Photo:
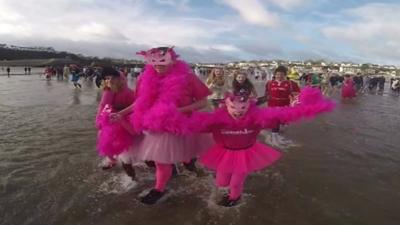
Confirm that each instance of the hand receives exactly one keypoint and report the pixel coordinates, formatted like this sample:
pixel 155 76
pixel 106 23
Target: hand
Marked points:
pixel 295 101
pixel 114 117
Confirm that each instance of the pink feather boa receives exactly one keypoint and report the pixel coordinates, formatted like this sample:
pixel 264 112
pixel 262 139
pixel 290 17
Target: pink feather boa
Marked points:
pixel 156 107
pixel 112 138
pixel 311 104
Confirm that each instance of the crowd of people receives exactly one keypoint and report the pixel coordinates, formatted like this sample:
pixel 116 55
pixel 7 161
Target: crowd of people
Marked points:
pixel 76 72
pixel 162 123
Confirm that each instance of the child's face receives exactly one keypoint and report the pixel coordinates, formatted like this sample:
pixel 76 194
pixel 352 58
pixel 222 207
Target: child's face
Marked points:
pixel 237 109
pixel 241 78
pixel 280 75
pixel 219 72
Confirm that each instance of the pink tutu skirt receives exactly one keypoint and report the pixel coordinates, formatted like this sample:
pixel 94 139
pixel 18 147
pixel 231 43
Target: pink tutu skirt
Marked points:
pixel 170 148
pixel 348 92
pixel 247 160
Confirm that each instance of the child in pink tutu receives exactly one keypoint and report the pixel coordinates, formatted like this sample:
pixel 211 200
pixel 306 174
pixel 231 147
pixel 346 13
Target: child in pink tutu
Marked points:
pixel 114 138
pixel 235 127
pixel 348 90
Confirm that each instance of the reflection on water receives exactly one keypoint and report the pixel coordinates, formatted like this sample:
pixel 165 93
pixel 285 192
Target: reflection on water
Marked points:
pixel 345 171
pixel 76 96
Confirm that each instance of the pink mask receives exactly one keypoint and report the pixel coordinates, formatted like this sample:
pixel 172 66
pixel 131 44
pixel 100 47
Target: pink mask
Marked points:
pixel 237 107
pixel 156 56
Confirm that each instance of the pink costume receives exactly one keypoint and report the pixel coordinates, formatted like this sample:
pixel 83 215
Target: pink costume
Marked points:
pixel 348 90
pixel 112 138
pixel 167 138
pixel 236 151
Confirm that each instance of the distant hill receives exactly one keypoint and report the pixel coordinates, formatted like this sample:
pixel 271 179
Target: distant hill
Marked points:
pixel 11 55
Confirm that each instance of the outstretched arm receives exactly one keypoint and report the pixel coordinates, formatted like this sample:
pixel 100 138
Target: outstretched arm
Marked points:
pixel 311 103
pixel 206 121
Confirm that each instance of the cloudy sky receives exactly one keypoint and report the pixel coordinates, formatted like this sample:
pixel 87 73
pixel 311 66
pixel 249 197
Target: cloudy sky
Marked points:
pixel 210 30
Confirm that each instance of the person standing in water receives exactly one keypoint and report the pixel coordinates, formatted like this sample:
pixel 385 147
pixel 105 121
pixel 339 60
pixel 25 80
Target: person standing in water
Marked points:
pixel 115 139
pixel 66 72
pixel 217 84
pixel 75 78
pixel 348 89
pixel 241 82
pixel 280 92
pixel 167 93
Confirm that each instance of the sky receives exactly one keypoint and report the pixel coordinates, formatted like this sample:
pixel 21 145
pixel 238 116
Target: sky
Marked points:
pixel 210 30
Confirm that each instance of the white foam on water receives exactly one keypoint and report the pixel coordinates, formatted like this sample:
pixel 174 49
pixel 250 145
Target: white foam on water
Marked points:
pixel 284 146
pixel 118 184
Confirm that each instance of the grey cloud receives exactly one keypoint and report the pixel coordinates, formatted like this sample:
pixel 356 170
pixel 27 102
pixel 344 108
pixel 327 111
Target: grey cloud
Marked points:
pixel 121 49
pixel 262 49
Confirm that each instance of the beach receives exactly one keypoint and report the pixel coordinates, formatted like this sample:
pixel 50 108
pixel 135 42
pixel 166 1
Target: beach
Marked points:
pixel 345 169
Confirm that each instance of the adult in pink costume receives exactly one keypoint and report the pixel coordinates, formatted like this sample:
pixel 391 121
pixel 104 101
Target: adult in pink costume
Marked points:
pixel 237 152
pixel 115 137
pixel 348 89
pixel 167 93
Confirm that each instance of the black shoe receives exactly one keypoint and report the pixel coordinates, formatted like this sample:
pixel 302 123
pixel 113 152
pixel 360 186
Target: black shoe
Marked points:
pixel 191 166
pixel 152 197
pixel 226 202
pixel 150 164
pixel 129 170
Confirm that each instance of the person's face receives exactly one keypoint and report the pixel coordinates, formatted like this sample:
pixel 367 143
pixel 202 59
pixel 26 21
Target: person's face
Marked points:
pixel 237 109
pixel 280 75
pixel 241 78
pixel 110 81
pixel 219 72
pixel 161 69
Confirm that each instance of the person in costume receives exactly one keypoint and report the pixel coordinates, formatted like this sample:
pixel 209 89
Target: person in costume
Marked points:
pixel 280 92
pixel 167 92
pixel 235 127
pixel 348 89
pixel 115 137
pixel 217 84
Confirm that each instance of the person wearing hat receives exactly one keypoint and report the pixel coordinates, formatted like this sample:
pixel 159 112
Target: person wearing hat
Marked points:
pixel 115 138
